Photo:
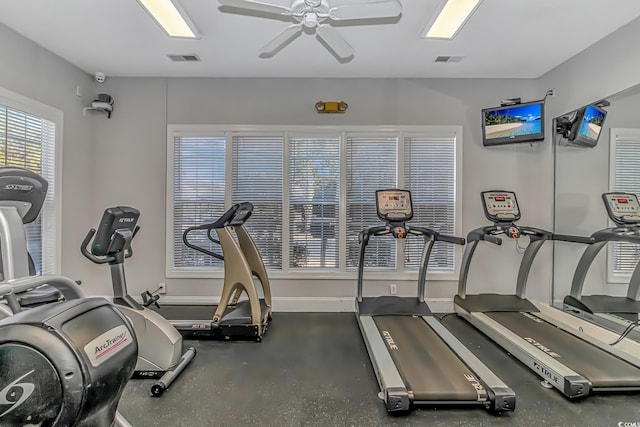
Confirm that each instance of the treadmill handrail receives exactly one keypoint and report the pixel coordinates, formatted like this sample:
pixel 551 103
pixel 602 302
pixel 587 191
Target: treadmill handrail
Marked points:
pixel 430 236
pixel 574 239
pixel 618 234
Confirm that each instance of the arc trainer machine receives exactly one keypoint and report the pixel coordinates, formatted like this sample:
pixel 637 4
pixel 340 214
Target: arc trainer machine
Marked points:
pixel 232 318
pixel 575 364
pixel 415 358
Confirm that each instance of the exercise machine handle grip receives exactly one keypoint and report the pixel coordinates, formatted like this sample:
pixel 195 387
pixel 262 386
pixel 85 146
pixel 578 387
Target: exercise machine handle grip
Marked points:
pixel 451 239
pixel 87 253
pixel 492 239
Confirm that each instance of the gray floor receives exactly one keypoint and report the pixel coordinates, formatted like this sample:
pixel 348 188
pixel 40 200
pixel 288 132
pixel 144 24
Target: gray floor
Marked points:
pixel 313 370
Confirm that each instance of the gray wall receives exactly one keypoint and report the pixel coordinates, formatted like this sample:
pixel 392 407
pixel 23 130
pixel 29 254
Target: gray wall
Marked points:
pixel 32 71
pixel 142 112
pixel 122 160
pixel 582 175
pixel 609 69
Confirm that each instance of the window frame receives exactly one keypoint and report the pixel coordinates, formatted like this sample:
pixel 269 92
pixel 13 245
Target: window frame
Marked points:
pixel 23 103
pixel 175 130
pixel 614 134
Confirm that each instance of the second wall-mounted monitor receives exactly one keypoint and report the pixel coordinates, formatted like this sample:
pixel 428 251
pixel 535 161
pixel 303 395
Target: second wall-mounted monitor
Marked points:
pixel 587 126
pixel 512 124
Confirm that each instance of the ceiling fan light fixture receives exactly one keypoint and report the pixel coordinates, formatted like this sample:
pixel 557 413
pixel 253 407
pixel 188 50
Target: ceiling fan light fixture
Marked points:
pixel 450 16
pixel 170 16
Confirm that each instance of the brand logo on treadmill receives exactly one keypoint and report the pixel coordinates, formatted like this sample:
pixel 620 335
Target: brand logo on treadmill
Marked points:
pixel 390 342
pixel 127 219
pixel 482 392
pixel 18 187
pixel 531 316
pixel 10 395
pixel 537 345
pixel 545 372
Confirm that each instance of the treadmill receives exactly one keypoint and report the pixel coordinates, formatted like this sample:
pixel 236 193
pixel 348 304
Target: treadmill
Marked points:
pixel 417 360
pixel 232 319
pixel 573 362
pixel 615 313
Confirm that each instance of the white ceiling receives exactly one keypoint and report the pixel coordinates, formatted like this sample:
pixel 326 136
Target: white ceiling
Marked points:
pixel 503 39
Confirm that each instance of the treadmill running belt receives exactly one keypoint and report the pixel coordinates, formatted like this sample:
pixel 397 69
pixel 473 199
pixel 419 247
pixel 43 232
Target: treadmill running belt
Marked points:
pixel 604 370
pixel 429 368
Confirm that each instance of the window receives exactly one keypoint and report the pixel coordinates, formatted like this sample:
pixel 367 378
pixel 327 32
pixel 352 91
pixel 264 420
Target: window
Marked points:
pixel 625 177
pixel 314 194
pixel 313 191
pixel 199 182
pixel 28 134
pixel 372 164
pixel 257 178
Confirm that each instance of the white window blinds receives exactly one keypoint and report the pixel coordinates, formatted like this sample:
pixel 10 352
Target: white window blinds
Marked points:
pixel 257 178
pixel 626 178
pixel 28 141
pixel 372 164
pixel 313 191
pixel 430 174
pixel 198 195
pixel 314 195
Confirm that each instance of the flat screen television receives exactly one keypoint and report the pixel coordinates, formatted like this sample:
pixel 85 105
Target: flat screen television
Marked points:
pixel 512 124
pixel 587 126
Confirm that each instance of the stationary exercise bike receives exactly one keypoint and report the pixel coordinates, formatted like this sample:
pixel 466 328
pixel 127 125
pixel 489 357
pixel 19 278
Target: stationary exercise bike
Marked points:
pixel 160 344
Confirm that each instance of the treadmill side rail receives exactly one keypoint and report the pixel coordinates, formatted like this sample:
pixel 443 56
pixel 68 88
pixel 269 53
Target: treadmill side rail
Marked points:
pixel 501 397
pixel 394 390
pixel 569 382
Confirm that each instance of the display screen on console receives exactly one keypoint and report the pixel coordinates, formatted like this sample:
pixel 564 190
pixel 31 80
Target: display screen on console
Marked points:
pixel 394 205
pixel 500 206
pixel 623 208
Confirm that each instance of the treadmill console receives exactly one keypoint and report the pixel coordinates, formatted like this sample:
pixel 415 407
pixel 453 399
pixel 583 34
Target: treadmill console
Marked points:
pixel 394 205
pixel 623 208
pixel 500 206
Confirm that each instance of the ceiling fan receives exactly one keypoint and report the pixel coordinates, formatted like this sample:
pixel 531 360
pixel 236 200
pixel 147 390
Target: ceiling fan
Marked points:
pixel 312 14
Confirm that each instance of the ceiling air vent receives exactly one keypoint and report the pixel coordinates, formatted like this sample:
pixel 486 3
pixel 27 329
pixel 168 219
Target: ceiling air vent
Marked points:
pixel 449 58
pixel 184 58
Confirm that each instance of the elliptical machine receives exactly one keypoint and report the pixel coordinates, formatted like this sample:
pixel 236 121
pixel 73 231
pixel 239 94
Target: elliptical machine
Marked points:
pixel 61 364
pixel 64 364
pixel 160 344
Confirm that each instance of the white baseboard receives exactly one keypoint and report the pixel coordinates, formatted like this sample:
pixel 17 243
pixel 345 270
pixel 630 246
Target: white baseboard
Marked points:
pixel 308 305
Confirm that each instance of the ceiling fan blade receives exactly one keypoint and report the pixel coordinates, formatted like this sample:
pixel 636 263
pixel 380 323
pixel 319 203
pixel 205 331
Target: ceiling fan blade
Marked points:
pixel 257 6
pixel 376 9
pixel 334 41
pixel 281 40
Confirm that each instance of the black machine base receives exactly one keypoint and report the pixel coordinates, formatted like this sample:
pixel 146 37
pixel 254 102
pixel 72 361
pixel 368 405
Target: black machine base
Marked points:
pixel 224 332
pixel 483 303
pixel 604 304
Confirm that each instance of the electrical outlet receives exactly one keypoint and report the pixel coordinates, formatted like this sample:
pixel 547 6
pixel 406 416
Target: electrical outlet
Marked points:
pixel 162 288
pixel 393 289
pixel 551 92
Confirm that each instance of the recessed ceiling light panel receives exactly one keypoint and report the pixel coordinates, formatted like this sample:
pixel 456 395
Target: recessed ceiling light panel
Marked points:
pixel 450 16
pixel 171 17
